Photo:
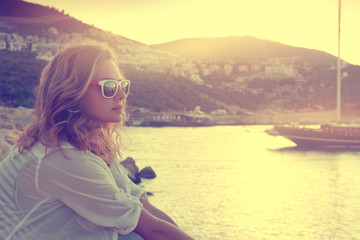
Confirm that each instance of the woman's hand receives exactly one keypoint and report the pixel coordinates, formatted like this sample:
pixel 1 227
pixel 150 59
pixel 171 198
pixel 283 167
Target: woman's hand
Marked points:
pixel 153 228
pixel 155 211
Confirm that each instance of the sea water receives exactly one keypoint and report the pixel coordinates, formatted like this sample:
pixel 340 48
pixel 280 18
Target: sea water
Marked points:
pixel 237 182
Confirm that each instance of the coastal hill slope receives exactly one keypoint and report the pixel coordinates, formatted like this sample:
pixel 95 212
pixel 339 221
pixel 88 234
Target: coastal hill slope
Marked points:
pixel 19 8
pixel 245 47
pixel 236 75
pixel 26 18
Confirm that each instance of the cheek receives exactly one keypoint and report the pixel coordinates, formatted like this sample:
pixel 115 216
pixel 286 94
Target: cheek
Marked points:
pixel 93 102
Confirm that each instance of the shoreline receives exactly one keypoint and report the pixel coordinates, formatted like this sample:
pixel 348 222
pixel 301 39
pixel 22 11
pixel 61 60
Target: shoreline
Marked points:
pixel 257 118
pixel 13 121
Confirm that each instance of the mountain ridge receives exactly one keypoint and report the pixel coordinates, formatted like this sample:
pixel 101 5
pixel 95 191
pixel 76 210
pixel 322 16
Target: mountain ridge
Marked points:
pixel 241 47
pixel 163 81
pixel 230 47
pixel 19 8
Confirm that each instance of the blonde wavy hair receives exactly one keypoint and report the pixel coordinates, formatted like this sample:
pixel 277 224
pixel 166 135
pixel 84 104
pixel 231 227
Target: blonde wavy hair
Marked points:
pixel 63 83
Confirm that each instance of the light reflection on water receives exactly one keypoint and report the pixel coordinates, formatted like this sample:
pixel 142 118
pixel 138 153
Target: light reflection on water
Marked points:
pixel 237 182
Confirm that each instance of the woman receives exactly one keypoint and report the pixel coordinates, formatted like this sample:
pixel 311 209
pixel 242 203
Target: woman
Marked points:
pixel 63 179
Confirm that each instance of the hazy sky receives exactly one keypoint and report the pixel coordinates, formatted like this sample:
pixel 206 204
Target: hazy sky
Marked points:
pixel 301 23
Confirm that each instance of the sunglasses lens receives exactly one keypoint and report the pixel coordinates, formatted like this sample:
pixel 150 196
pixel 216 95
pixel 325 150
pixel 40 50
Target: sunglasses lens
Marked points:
pixel 125 87
pixel 110 88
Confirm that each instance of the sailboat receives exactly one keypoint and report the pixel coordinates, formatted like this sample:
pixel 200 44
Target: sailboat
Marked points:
pixel 326 135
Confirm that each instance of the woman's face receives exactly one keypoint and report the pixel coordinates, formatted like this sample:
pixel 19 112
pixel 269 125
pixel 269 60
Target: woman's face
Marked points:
pixel 104 110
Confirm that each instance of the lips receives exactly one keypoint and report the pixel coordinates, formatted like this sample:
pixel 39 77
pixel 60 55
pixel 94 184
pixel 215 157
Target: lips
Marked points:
pixel 119 108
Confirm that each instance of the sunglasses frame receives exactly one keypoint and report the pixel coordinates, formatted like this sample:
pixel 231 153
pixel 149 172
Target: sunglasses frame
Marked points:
pixel 118 84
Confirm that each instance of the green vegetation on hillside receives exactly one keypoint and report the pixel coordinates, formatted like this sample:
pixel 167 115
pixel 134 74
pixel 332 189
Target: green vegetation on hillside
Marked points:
pixel 33 19
pixel 248 74
pixel 20 73
pixel 19 8
pixel 165 92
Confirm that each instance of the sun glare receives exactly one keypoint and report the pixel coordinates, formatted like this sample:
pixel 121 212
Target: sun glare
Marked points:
pixel 300 23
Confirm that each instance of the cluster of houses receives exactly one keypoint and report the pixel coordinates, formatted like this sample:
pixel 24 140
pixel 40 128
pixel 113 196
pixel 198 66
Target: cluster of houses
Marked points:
pixel 45 48
pixel 143 57
pixel 242 72
pixel 239 73
pixel 144 117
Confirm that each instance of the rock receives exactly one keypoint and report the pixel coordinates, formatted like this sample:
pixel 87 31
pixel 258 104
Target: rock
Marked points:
pixel 147 172
pixel 13 120
pixel 149 194
pixel 132 169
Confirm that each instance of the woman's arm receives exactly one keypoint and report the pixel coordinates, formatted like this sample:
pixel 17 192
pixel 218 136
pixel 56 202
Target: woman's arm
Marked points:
pixel 153 228
pixel 155 211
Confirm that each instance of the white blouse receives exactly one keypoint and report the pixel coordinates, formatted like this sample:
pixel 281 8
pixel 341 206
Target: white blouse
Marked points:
pixel 65 194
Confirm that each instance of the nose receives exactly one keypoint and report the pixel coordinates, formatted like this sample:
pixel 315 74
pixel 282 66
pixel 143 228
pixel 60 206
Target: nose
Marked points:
pixel 120 94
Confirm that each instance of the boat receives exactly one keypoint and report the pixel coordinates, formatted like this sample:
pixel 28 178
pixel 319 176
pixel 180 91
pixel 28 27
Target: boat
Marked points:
pixel 328 135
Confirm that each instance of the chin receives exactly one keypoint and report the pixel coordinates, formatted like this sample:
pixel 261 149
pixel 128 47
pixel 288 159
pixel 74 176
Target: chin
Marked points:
pixel 108 120
pixel 117 120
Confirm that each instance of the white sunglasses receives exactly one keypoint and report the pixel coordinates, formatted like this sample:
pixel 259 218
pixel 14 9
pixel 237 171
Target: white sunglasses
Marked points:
pixel 109 87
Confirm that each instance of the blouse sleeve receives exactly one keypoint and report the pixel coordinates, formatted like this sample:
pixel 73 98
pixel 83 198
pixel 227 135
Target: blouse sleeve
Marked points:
pixel 123 181
pixel 83 182
pixel 136 190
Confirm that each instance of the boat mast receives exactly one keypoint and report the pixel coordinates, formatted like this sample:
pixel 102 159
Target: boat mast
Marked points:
pixel 338 102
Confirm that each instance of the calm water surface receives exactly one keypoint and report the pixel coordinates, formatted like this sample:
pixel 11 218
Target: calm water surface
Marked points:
pixel 237 182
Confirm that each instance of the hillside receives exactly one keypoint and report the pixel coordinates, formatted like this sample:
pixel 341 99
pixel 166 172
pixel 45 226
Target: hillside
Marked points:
pixel 19 8
pixel 235 75
pixel 19 70
pixel 241 48
pixel 25 18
